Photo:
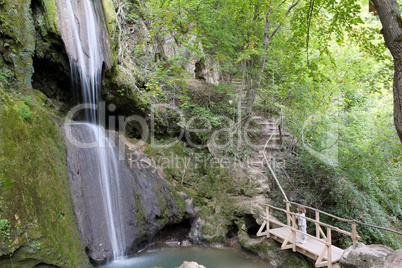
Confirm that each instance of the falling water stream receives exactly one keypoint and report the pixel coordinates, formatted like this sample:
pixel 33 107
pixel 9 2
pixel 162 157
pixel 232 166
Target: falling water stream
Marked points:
pixel 86 60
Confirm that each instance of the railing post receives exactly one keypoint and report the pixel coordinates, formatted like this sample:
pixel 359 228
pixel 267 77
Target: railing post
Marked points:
pixel 329 243
pixel 294 233
pixel 287 213
pixel 354 234
pixel 317 225
pixel 268 234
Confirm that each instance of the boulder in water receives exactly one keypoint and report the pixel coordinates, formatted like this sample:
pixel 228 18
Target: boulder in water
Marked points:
pixel 192 264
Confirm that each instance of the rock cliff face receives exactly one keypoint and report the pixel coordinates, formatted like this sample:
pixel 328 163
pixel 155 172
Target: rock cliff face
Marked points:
pixel 148 201
pixel 17 43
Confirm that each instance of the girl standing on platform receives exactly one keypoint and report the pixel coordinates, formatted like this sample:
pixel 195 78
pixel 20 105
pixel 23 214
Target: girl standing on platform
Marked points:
pixel 301 211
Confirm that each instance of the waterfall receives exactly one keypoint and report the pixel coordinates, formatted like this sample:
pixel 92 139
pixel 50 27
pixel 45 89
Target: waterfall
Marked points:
pixel 110 188
pixel 81 33
pixel 86 57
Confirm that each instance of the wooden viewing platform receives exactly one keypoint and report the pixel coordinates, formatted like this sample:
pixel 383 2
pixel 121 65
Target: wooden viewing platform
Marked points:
pixel 311 248
pixel 318 247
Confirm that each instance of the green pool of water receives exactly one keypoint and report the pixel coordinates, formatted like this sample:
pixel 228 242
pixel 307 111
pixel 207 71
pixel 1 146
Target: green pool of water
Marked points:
pixel 174 257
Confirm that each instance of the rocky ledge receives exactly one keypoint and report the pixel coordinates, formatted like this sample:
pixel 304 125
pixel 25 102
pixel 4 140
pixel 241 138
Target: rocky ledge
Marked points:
pixel 371 256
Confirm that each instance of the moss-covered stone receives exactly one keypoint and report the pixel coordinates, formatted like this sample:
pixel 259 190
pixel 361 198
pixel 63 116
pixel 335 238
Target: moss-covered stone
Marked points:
pixel 268 249
pixel 110 14
pixel 34 195
pixel 51 15
pixel 17 44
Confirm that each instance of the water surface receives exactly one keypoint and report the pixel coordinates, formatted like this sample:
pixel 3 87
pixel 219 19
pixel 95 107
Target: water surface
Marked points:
pixel 174 257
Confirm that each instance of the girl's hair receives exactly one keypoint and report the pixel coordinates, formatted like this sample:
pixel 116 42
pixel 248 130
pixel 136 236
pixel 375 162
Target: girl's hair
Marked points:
pixel 301 208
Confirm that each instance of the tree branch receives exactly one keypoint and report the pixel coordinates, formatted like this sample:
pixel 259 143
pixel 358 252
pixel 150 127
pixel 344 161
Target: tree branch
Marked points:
pixel 309 16
pixel 281 23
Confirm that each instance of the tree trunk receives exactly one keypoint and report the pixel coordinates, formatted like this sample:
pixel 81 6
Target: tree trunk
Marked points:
pixel 267 37
pixel 253 91
pixel 239 105
pixel 391 21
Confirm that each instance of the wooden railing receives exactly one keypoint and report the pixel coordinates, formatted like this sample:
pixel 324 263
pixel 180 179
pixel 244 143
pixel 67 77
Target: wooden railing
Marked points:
pixel 354 223
pixel 319 231
pixel 325 238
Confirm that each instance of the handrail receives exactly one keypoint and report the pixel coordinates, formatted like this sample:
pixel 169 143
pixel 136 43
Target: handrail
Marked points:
pixel 273 175
pixel 345 220
pixel 280 126
pixel 269 165
pixel 315 221
pixel 322 212
pixel 266 144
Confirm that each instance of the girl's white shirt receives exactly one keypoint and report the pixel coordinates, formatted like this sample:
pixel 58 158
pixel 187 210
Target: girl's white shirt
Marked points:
pixel 301 221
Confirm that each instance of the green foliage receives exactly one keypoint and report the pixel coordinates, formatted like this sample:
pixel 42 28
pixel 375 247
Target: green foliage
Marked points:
pixel 28 101
pixel 6 76
pixel 35 245
pixel 348 156
pixel 206 115
pixel 4 228
pixel 186 151
pixel 25 112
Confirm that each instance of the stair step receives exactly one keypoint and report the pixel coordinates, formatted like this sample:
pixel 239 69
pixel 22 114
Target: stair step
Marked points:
pixel 267 134
pixel 256 117
pixel 270 129
pixel 270 126
pixel 275 137
pixel 270 147
pixel 273 148
pixel 256 162
pixel 236 81
pixel 274 131
pixel 258 170
pixel 268 123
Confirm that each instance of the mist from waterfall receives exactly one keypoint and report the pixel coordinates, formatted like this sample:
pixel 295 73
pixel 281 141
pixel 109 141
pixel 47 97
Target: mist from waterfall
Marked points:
pixel 83 42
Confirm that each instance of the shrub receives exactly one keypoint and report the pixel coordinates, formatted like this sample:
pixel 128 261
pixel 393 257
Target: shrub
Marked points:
pixel 25 112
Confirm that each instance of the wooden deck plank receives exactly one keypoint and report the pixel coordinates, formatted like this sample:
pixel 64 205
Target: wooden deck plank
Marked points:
pixel 312 246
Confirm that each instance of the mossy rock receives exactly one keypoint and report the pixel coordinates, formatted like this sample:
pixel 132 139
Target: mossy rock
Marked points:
pixel 269 250
pixel 35 196
pixel 51 15
pixel 18 33
pixel 110 14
